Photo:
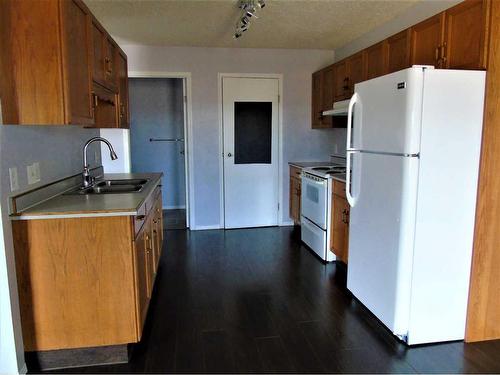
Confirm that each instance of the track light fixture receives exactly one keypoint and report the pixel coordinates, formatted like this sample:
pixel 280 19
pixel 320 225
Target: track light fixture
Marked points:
pixel 248 11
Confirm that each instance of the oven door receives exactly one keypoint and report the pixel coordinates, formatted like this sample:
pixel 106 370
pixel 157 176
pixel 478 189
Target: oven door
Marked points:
pixel 314 199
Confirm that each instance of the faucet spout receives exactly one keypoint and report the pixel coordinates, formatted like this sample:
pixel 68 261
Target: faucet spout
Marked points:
pixel 88 180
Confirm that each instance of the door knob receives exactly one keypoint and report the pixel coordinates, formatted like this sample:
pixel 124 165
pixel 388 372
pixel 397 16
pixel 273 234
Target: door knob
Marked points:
pixel 229 154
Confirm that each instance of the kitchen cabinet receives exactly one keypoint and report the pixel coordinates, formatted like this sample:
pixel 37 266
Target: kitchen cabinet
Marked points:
pixel 54 85
pixel 122 72
pixel 426 41
pixel 341 81
pixel 317 101
pixel 398 51
pixel 339 242
pixel 105 107
pixel 355 71
pixel 295 193
pixel 65 53
pixel 327 95
pixel 465 35
pixel 376 60
pixel 77 275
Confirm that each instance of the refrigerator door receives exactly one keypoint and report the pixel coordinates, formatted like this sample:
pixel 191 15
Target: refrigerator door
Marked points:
pixel 381 234
pixel 387 113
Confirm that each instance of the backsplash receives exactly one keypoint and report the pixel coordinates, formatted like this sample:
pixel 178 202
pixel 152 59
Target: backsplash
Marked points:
pixel 57 149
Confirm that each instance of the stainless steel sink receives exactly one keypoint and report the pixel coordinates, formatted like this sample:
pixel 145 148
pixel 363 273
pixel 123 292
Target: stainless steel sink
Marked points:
pixel 112 187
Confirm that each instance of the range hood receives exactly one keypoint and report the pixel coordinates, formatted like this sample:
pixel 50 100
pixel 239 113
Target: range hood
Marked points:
pixel 339 109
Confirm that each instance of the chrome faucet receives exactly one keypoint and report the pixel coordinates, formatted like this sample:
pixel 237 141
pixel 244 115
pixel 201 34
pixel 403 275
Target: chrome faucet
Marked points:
pixel 88 179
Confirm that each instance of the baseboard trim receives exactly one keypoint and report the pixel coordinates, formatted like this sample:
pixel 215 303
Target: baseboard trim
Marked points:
pixel 206 227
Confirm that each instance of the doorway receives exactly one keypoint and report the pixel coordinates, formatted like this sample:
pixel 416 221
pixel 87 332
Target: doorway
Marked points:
pixel 157 140
pixel 250 128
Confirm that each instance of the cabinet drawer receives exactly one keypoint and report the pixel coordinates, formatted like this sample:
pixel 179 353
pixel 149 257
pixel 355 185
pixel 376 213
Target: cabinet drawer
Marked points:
pixel 295 172
pixel 339 188
pixel 151 201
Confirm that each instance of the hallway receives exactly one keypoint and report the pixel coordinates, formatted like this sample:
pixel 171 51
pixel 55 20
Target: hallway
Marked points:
pixel 255 300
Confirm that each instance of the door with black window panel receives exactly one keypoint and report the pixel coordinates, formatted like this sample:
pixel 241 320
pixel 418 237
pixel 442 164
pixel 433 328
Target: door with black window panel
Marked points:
pixel 250 133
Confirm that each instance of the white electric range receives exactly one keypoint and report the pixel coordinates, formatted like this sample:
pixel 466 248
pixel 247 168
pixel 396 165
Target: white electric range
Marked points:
pixel 316 205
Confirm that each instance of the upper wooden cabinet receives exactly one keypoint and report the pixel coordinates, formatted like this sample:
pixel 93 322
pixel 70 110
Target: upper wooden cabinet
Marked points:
pixel 51 52
pixel 122 72
pixel 376 60
pixel 355 70
pixel 465 36
pixel 426 41
pixel 454 39
pixel 317 100
pixel 398 51
pixel 45 62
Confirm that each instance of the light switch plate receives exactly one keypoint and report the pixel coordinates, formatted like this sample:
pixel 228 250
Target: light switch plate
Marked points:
pixel 33 172
pixel 14 181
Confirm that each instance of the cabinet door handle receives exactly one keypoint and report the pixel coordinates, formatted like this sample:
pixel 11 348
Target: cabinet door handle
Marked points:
pixel 95 99
pixel 436 53
pixel 343 216
pixel 141 217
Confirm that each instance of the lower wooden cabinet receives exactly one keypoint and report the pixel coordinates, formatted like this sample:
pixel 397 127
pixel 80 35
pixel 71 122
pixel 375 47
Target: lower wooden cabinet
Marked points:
pixel 339 243
pixel 86 282
pixel 295 193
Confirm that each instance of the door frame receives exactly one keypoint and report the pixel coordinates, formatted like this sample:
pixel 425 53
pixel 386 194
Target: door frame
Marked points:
pixel 279 77
pixel 188 131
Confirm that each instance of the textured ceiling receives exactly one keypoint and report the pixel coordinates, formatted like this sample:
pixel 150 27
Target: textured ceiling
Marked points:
pixel 310 24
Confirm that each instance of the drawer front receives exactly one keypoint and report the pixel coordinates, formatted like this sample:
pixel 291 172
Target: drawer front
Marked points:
pixel 295 172
pixel 151 201
pixel 339 188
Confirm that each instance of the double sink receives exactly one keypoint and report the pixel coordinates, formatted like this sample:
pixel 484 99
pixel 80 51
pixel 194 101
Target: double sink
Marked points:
pixel 134 185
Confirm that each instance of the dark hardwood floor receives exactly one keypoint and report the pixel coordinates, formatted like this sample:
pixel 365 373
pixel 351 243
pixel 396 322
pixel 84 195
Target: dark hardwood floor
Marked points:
pixel 255 300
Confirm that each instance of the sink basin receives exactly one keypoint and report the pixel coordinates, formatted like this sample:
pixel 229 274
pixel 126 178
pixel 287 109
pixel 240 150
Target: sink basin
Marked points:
pixel 112 187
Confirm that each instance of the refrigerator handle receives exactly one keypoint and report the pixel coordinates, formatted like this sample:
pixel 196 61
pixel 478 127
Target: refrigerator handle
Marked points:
pixel 353 100
pixel 350 198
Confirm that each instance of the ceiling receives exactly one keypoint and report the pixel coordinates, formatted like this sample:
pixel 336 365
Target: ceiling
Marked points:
pixel 308 24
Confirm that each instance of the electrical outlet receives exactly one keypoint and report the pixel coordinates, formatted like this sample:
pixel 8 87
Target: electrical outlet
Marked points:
pixel 33 172
pixel 14 181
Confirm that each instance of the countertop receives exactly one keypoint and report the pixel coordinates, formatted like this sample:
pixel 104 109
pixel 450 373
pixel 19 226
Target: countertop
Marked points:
pixel 307 164
pixel 89 205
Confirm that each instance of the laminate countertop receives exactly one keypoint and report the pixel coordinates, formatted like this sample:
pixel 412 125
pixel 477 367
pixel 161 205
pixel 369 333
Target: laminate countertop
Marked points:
pixel 94 205
pixel 308 164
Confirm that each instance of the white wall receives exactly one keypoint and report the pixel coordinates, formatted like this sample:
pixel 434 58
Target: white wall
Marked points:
pixel 120 139
pixel 59 152
pixel 411 16
pixel 300 142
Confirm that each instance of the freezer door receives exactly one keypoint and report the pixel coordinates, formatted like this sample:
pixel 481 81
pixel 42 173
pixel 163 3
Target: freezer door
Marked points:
pixel 387 113
pixel 381 235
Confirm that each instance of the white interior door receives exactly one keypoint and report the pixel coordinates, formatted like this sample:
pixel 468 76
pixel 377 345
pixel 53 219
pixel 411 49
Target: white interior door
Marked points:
pixel 250 126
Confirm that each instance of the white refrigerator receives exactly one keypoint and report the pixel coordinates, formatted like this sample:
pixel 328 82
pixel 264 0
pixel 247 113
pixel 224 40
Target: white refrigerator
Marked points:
pixel 413 147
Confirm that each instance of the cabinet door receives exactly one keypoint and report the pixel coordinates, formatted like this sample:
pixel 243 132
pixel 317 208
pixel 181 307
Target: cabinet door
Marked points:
pixel 98 37
pixel 327 86
pixel 376 60
pixel 426 41
pixel 398 51
pixel 356 70
pixel 122 71
pixel 141 280
pixel 465 36
pixel 110 74
pixel 341 81
pixel 340 227
pixel 77 49
pixel 294 199
pixel 105 107
pixel 317 101
pixel 150 262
